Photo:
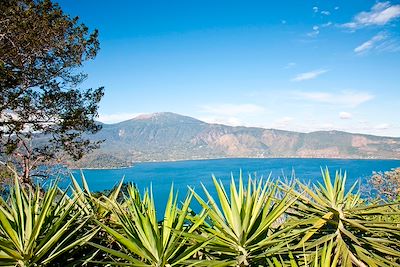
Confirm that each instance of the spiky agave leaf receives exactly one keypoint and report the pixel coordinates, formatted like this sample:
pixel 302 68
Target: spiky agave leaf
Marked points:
pixel 37 228
pixel 147 242
pixel 244 224
pixel 91 205
pixel 95 207
pixel 324 257
pixel 330 213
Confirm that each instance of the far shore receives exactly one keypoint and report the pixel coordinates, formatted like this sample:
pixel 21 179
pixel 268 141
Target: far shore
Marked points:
pixel 222 158
pixel 105 168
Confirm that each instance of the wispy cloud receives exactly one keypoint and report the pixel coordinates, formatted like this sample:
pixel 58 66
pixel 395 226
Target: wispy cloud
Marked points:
pixel 381 42
pixel 382 126
pixel 290 65
pixel 231 114
pixel 118 117
pixel 380 14
pixel 308 75
pixel 344 98
pixel 345 115
pixel 324 25
pixel 325 12
pixel 283 122
pixel 232 109
pixel 231 121
pixel 371 43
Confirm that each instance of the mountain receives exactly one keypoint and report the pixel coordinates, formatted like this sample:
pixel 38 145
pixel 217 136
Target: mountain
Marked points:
pixel 169 136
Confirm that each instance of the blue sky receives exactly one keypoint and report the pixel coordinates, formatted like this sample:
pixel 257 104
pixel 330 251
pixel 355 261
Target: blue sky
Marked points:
pixel 293 65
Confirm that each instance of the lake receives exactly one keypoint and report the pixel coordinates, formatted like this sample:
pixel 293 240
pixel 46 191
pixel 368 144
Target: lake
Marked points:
pixel 194 172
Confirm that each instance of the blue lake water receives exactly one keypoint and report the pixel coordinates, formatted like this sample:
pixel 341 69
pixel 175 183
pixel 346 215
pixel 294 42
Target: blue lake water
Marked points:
pixel 194 172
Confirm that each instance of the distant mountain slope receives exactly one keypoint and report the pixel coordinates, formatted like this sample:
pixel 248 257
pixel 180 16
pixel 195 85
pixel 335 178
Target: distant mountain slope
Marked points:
pixel 169 136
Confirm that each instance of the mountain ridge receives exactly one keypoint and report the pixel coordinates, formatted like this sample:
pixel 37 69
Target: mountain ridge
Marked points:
pixel 149 115
pixel 167 136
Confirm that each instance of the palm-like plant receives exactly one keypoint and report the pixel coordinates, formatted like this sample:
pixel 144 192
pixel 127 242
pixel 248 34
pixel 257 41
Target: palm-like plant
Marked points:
pixel 36 228
pixel 324 257
pixel 245 225
pixel 330 214
pixel 146 242
pixel 97 206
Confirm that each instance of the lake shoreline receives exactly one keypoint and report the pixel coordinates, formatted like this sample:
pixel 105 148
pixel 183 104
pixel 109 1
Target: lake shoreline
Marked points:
pixel 236 158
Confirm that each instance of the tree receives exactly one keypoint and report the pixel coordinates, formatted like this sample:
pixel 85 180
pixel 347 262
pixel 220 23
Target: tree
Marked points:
pixel 43 112
pixel 386 184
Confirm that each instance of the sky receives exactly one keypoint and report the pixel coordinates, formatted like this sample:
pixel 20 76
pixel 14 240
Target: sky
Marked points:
pixel 294 65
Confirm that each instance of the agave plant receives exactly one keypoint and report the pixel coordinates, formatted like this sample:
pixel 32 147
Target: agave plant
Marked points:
pixel 36 228
pixel 146 242
pixel 329 213
pixel 326 258
pixel 244 226
pixel 97 206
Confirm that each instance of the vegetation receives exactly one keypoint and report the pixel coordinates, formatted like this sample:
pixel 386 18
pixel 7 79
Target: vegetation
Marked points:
pixel 387 184
pixel 251 223
pixel 332 215
pixel 45 116
pixel 41 52
pixel 6 176
pixel 37 228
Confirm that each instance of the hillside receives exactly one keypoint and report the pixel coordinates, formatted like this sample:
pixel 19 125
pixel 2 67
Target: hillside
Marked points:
pixel 169 136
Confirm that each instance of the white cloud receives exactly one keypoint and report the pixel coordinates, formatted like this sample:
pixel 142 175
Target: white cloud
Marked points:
pixel 345 115
pixel 382 126
pixel 315 31
pixel 327 126
pixel 380 14
pixel 336 8
pixel 285 120
pixel 325 12
pixel 344 98
pixel 308 75
pixel 118 117
pixel 329 23
pixel 381 42
pixel 315 9
pixel 231 121
pixel 232 109
pixel 282 122
pixel 371 43
pixel 231 114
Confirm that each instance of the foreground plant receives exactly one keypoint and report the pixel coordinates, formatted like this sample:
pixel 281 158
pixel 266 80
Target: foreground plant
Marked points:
pixel 359 233
pixel 95 206
pixel 324 257
pixel 36 228
pixel 98 206
pixel 244 226
pixel 146 242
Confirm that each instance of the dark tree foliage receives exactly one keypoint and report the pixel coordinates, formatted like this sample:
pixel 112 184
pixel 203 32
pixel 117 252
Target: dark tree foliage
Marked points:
pixel 41 51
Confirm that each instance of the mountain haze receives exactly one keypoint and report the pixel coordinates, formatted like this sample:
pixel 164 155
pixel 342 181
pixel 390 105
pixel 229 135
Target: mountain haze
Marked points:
pixel 169 136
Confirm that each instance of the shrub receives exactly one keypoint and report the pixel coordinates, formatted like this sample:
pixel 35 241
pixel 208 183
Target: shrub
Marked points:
pixel 387 184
